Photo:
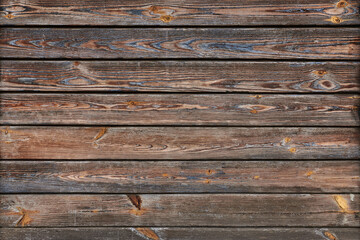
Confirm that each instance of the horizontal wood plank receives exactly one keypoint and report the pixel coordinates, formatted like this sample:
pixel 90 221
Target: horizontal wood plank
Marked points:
pixel 28 142
pixel 180 109
pixel 179 177
pixel 175 233
pixel 180 210
pixel 187 12
pixel 180 76
pixel 244 43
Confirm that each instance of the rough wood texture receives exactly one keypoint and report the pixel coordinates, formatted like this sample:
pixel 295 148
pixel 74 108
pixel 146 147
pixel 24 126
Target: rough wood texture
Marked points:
pixel 179 177
pixel 180 76
pixel 180 210
pixel 245 43
pixel 180 109
pixel 174 233
pixel 178 143
pixel 173 12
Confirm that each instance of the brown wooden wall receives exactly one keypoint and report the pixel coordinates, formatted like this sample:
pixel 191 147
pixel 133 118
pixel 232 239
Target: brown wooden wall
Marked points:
pixel 193 119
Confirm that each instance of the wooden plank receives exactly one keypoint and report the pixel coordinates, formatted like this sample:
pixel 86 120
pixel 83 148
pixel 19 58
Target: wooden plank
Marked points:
pixel 28 142
pixel 179 176
pixel 180 210
pixel 244 43
pixel 187 12
pixel 180 109
pixel 141 233
pixel 180 76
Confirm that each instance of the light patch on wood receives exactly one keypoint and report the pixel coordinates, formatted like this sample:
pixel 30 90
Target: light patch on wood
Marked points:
pixel 148 232
pixel 354 97
pixel 15 9
pixel 207 181
pixel 352 196
pixel 256 177
pixel 342 204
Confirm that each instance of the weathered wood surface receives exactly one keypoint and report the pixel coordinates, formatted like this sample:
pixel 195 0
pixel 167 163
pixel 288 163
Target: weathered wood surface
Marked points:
pixel 179 176
pixel 180 109
pixel 244 43
pixel 180 76
pixel 176 233
pixel 173 12
pixel 180 210
pixel 36 142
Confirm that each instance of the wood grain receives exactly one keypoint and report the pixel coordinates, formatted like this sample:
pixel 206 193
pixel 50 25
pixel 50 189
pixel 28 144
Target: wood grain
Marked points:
pixel 180 109
pixel 176 233
pixel 180 76
pixel 179 210
pixel 28 142
pixel 187 12
pixel 130 43
pixel 179 176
